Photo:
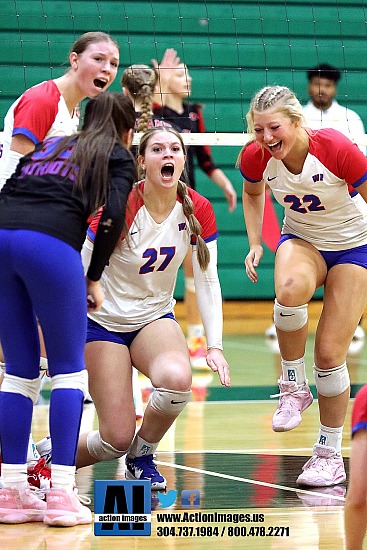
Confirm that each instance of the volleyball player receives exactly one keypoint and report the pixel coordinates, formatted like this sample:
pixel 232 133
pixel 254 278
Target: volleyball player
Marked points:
pixel 139 82
pixel 136 324
pixel 44 211
pixel 50 109
pixel 319 177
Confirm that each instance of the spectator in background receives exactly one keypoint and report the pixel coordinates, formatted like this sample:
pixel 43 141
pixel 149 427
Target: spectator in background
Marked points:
pixel 323 110
pixel 174 86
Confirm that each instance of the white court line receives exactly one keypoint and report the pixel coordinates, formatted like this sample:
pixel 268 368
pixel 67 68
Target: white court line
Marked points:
pixel 249 481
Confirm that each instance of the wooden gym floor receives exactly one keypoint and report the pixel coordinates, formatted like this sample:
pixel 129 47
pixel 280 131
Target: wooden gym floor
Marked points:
pixel 223 446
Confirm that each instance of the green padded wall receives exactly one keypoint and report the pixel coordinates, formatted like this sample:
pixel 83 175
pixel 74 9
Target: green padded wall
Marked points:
pixel 232 48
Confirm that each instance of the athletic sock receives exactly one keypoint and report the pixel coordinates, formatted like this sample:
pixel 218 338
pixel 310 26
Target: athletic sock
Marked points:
pixel 332 437
pixel 14 475
pixel 140 447
pixel 294 371
pixel 63 477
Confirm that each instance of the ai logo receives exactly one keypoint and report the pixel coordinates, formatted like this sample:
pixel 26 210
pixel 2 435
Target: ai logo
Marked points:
pixel 122 508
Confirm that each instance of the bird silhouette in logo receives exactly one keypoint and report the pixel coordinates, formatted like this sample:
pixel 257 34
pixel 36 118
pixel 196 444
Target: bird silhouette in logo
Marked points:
pixel 167 499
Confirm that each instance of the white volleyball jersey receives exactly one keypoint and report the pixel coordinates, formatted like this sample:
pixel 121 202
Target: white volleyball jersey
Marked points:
pixel 321 204
pixel 38 114
pixel 140 278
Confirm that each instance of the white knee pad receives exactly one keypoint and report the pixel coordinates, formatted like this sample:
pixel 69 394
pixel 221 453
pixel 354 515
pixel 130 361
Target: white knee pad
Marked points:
pixel 71 381
pixel 331 382
pixel 101 450
pixel 23 386
pixel 169 402
pixel 290 319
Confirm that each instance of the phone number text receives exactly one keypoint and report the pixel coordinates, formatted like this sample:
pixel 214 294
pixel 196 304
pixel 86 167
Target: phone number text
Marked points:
pixel 226 530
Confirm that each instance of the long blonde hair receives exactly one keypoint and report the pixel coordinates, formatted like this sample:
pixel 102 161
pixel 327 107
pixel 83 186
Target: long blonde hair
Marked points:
pixel 187 204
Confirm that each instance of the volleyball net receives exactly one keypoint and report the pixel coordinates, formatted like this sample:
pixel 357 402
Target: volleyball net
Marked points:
pixel 231 48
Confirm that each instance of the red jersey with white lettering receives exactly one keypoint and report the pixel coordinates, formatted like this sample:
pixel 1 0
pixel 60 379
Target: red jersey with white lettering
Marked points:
pixel 140 278
pixel 38 114
pixel 322 205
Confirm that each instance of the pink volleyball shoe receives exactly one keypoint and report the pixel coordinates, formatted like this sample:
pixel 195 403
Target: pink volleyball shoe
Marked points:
pixel 65 509
pixel 20 506
pixel 293 400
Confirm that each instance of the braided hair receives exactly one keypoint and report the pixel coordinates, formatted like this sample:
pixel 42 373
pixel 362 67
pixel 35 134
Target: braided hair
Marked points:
pixel 140 81
pixel 277 98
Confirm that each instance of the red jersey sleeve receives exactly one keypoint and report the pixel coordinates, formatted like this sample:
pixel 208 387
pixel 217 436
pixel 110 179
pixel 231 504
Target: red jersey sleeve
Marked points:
pixel 36 111
pixel 93 226
pixel 205 215
pixel 134 202
pixel 253 162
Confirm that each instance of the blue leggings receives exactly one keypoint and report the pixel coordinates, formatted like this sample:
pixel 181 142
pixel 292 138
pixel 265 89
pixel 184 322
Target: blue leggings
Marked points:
pixel 41 278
